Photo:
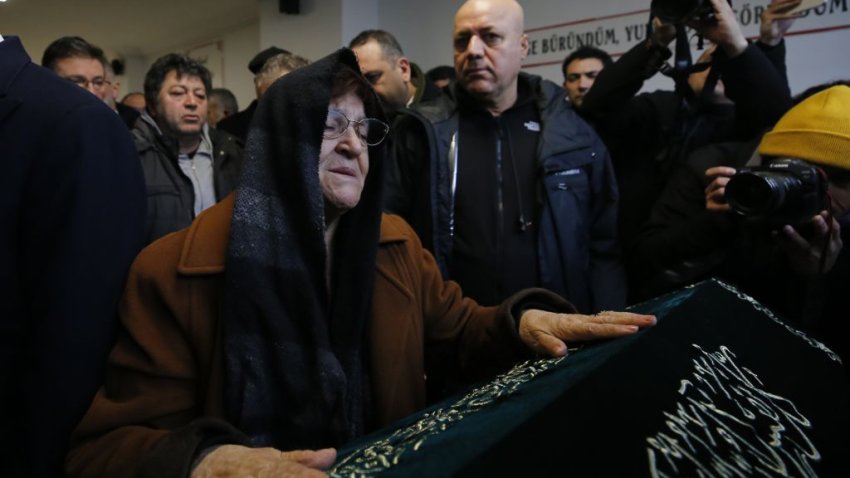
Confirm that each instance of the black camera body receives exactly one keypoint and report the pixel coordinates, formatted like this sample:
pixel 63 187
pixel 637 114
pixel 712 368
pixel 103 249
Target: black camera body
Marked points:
pixel 784 191
pixel 681 11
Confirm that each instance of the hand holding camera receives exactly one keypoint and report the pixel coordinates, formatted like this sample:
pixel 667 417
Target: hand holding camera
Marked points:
pixel 715 193
pixel 722 29
pixel 815 253
pixel 788 196
pixel 776 19
pixel 713 19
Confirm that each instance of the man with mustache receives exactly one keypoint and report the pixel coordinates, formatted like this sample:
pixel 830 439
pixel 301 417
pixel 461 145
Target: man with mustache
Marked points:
pixel 188 166
pixel 502 180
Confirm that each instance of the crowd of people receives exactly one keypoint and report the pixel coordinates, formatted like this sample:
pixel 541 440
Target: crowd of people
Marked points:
pixel 194 290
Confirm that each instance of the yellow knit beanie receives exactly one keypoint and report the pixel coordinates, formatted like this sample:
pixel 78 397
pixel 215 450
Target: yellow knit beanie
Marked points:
pixel 817 130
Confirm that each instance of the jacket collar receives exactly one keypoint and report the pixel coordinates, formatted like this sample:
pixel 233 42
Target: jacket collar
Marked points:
pixel 205 247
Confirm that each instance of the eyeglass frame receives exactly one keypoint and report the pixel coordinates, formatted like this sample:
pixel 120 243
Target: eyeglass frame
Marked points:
pixel 97 83
pixel 361 122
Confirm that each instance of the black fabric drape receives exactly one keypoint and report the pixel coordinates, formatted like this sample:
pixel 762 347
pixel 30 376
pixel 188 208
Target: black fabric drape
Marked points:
pixel 295 352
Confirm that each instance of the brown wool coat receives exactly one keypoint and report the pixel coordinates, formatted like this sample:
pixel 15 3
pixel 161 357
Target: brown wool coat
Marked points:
pixel 167 368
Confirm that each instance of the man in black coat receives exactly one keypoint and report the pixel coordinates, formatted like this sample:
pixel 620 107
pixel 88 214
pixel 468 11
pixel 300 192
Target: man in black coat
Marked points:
pixel 398 81
pixel 506 185
pixel 650 134
pixel 72 204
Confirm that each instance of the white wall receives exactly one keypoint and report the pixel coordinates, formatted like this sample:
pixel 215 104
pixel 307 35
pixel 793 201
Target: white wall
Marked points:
pixel 239 47
pixel 320 28
pixel 227 56
pixel 313 33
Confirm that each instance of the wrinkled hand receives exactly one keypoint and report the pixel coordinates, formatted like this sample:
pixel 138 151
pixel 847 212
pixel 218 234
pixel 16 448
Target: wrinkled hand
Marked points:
pixel 724 30
pixel 241 461
pixel 805 254
pixel 775 20
pixel 546 332
pixel 715 192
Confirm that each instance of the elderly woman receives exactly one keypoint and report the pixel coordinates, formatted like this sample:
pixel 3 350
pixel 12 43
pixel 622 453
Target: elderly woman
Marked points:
pixel 294 315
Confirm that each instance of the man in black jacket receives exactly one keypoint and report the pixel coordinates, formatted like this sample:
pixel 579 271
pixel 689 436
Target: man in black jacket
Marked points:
pixel 502 180
pixel 649 134
pixel 399 82
pixel 188 166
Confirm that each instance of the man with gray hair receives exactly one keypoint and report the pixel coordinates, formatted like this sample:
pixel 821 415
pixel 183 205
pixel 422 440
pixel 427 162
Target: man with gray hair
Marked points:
pixel 267 66
pixel 399 82
pixel 275 67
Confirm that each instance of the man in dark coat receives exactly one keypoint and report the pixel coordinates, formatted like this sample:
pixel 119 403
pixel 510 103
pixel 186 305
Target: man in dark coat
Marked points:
pixel 650 134
pixel 399 82
pixel 502 180
pixel 72 203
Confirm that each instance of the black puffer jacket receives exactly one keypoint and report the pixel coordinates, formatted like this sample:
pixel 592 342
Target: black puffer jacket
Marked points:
pixel 171 198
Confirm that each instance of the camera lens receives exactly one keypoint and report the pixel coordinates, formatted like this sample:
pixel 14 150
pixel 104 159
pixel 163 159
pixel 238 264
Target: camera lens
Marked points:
pixel 759 193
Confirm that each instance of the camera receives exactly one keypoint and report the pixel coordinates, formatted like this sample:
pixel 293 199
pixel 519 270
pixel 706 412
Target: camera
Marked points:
pixel 681 11
pixel 785 191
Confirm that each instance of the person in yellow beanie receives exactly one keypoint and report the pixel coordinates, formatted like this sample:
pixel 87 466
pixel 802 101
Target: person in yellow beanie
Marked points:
pixel 817 131
pixel 800 271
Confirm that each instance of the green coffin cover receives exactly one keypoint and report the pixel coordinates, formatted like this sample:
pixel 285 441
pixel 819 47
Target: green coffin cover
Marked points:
pixel 719 387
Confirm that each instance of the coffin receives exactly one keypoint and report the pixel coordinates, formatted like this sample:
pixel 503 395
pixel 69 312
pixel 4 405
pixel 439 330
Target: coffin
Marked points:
pixel 719 387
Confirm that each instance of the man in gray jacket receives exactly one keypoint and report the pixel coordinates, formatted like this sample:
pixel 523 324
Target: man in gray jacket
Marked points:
pixel 188 166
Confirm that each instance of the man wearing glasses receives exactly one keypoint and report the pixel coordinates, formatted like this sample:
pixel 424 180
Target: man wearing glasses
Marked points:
pixel 79 62
pixel 85 65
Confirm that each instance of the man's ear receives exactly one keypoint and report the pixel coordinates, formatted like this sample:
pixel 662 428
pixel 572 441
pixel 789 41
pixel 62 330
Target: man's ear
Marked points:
pixel 523 44
pixel 404 65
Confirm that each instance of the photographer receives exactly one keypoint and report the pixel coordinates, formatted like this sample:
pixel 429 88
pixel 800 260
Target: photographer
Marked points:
pixel 798 270
pixel 648 134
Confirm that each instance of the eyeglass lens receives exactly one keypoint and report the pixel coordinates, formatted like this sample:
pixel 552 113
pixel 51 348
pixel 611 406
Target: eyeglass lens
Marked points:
pixel 338 123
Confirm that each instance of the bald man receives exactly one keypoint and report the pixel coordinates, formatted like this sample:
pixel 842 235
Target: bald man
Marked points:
pixel 502 181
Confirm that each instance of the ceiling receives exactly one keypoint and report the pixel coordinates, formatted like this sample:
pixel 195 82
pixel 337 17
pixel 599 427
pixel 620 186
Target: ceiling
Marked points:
pixel 123 27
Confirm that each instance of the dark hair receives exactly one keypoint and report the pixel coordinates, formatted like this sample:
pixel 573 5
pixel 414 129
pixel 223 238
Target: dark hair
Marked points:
pixel 70 47
pixel 443 72
pixel 181 64
pixel 226 97
pixel 389 45
pixel 584 53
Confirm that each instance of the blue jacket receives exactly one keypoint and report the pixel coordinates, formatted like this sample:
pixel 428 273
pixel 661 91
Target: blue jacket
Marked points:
pixel 72 206
pixel 578 251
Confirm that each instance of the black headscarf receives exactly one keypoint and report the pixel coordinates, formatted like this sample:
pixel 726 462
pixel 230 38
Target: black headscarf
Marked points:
pixel 295 353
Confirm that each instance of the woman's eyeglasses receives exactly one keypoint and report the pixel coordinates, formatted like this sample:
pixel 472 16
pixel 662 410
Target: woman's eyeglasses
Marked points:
pixel 370 131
